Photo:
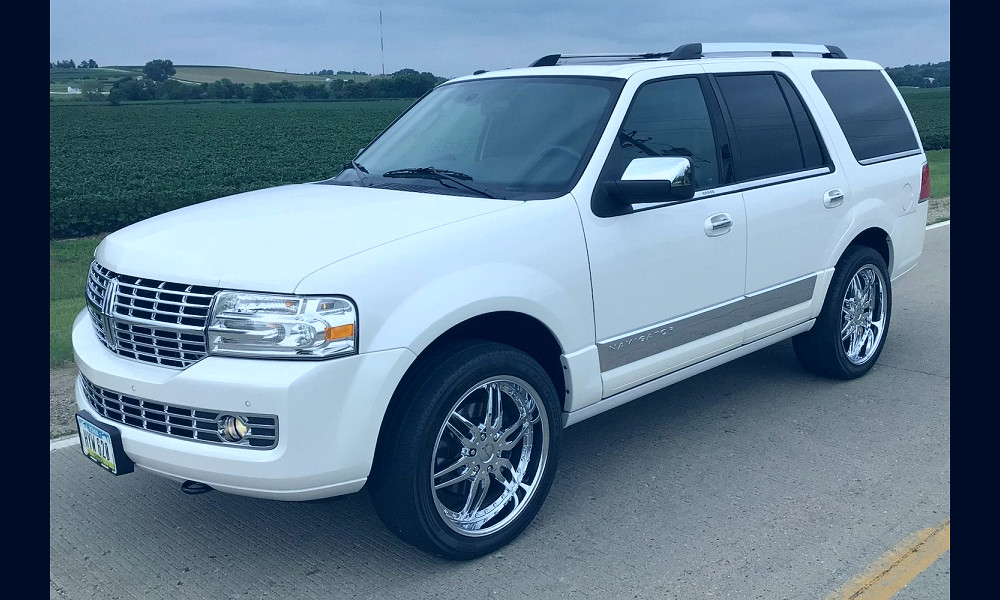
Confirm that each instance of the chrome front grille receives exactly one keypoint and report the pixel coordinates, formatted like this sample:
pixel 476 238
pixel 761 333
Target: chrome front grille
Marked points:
pixel 162 301
pixel 178 421
pixel 149 320
pixel 97 288
pixel 163 346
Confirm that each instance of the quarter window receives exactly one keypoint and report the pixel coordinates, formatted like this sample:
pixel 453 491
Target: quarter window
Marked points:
pixel 869 113
pixel 670 118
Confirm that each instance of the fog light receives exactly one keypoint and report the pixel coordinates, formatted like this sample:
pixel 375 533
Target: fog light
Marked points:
pixel 233 428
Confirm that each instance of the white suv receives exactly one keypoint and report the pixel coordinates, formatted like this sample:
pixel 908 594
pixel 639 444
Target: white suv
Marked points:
pixel 517 252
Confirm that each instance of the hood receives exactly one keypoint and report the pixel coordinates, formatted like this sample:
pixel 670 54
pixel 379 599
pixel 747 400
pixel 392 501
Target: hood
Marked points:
pixel 270 239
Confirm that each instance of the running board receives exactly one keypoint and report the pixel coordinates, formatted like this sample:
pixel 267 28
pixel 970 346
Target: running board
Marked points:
pixel 659 383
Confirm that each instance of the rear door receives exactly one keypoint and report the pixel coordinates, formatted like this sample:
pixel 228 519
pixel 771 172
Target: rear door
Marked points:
pixel 797 202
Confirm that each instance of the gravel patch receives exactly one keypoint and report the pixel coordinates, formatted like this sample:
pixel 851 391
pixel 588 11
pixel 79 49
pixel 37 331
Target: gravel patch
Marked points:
pixel 940 210
pixel 62 403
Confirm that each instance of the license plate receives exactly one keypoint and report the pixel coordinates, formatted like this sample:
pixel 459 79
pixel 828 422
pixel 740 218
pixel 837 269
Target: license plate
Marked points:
pixel 102 444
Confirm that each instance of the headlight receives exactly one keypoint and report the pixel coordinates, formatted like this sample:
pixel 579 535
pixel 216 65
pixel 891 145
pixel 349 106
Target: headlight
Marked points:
pixel 273 326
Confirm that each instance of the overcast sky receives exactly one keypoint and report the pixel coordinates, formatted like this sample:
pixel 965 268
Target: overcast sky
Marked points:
pixel 455 37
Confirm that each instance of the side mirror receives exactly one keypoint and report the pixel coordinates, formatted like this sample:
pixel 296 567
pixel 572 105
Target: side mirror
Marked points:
pixel 653 179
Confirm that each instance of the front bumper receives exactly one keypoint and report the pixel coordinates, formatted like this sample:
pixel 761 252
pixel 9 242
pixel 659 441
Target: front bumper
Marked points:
pixel 329 415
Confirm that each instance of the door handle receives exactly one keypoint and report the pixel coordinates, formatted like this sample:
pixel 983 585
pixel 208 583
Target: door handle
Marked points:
pixel 833 198
pixel 718 224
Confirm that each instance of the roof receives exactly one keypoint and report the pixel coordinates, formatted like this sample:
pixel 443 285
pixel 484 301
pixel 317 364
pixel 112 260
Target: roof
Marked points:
pixel 624 65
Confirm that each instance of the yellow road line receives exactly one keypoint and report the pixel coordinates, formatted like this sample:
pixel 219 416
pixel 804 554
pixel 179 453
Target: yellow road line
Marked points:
pixel 898 566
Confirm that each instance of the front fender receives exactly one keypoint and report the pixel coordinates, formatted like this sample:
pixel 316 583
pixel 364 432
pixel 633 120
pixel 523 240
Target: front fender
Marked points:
pixel 531 259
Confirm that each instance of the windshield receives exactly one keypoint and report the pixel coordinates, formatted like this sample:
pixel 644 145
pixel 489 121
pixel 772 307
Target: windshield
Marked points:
pixel 516 137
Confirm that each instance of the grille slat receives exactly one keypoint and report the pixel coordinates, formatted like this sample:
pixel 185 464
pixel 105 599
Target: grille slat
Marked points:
pixel 151 321
pixel 182 305
pixel 177 421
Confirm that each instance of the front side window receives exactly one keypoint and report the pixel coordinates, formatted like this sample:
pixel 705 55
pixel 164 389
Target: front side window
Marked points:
pixel 669 118
pixel 516 138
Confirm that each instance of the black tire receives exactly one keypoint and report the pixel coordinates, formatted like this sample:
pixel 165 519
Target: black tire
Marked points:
pixel 458 383
pixel 822 350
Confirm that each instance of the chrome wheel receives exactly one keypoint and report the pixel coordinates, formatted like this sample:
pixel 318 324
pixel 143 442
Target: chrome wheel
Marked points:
pixel 489 456
pixel 863 315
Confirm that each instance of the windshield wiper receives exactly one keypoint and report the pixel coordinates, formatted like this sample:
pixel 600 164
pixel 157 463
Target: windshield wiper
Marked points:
pixel 361 171
pixel 441 175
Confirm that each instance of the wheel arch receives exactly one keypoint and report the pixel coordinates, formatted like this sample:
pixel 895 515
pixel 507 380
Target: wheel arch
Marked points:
pixel 516 329
pixel 877 239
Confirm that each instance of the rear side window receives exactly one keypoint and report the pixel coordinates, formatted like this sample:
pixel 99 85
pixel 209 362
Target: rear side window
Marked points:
pixel 869 113
pixel 774 134
pixel 812 152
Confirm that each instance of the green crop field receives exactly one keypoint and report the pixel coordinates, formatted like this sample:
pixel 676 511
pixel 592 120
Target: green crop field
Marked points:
pixel 110 166
pixel 931 111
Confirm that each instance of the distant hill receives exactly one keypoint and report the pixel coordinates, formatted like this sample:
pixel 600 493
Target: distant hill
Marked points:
pixel 212 73
pixel 926 75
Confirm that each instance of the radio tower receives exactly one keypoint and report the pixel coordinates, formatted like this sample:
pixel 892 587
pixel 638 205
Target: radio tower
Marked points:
pixel 381 41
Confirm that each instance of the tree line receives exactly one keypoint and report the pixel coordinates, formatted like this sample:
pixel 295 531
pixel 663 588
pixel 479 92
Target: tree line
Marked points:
pixel 332 72
pixel 156 84
pixel 926 75
pixel 405 83
pixel 69 64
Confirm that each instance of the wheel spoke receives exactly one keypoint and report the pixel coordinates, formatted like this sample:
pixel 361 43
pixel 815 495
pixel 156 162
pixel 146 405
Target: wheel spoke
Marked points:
pixel 467 473
pixel 867 341
pixel 846 331
pixel 468 437
pixel 857 338
pixel 505 443
pixel 477 493
pixel 465 422
pixel 515 477
pixel 866 297
pixel 855 288
pixel 507 484
pixel 462 462
pixel 493 407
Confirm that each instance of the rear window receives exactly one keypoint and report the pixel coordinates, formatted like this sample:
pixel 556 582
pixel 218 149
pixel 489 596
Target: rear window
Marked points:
pixel 869 113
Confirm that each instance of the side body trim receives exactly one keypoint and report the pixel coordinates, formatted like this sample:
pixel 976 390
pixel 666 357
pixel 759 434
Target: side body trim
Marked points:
pixel 636 345
pixel 572 418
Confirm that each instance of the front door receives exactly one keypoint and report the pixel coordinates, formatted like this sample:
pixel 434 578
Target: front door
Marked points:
pixel 668 277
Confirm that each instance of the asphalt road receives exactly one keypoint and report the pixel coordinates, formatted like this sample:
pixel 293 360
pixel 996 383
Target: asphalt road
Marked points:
pixel 755 480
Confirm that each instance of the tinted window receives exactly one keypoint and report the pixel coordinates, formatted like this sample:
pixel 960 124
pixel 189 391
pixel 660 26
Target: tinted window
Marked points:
pixel 868 111
pixel 670 118
pixel 812 155
pixel 765 131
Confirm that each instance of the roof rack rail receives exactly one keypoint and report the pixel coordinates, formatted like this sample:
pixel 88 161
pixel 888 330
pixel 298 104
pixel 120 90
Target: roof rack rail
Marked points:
pixel 554 59
pixel 693 51
pixel 697 50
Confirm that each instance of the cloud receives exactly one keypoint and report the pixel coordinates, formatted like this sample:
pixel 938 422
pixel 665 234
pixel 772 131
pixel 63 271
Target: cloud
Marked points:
pixel 456 37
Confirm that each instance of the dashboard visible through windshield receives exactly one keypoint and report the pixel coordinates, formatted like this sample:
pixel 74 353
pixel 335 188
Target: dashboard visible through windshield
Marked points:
pixel 514 138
